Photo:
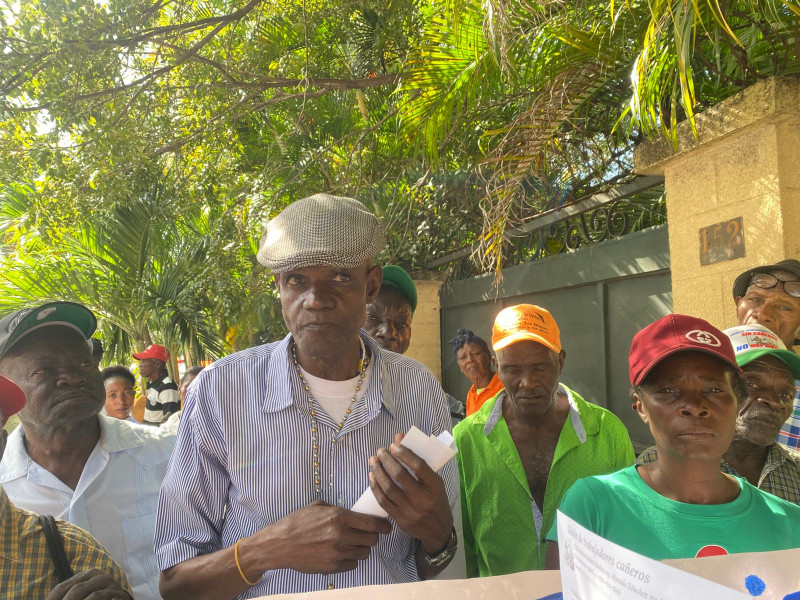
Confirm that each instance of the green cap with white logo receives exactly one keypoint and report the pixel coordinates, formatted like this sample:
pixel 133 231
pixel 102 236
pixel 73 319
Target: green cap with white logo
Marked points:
pixel 22 322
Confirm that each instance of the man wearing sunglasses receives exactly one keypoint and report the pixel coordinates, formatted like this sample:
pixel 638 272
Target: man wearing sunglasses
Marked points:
pixel 770 296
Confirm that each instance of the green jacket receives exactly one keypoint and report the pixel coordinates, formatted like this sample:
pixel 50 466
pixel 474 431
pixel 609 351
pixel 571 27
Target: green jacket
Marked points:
pixel 504 529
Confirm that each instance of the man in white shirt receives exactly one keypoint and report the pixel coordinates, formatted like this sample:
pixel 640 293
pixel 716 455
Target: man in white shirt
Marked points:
pixel 100 474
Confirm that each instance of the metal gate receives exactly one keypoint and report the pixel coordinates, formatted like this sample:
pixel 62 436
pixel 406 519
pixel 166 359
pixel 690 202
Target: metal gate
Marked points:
pixel 600 295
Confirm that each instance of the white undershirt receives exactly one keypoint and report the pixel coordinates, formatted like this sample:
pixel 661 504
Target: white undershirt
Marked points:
pixel 334 396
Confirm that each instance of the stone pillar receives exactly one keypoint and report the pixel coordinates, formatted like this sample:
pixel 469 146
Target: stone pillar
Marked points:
pixel 426 339
pixel 745 163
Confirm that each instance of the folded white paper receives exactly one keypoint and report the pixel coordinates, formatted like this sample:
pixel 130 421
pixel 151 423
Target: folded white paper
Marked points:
pixel 435 451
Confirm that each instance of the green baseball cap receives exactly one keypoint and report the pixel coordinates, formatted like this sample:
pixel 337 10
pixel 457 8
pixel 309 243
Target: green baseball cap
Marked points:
pixel 751 342
pixel 398 278
pixel 22 322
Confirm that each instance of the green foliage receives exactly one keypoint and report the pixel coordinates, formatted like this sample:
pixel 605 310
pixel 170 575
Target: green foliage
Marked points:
pixel 454 120
pixel 148 277
pixel 561 91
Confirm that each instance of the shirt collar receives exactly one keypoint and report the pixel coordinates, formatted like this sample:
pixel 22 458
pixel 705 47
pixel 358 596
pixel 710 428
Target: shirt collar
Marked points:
pixel 159 381
pixel 580 424
pixel 115 436
pixel 283 386
pixel 777 455
pixel 15 459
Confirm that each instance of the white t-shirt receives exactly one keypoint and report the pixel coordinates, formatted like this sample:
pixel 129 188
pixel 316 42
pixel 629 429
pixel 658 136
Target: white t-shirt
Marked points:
pixel 334 397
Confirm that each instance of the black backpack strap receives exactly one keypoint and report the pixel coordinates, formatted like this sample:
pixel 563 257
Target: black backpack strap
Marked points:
pixel 56 547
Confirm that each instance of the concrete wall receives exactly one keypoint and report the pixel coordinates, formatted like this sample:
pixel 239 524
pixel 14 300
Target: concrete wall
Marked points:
pixel 745 163
pixel 425 337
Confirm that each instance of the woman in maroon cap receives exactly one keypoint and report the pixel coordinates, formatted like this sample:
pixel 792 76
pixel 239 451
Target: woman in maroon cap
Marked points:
pixel 686 387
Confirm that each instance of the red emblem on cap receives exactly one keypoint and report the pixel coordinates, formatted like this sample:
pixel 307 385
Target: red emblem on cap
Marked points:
pixel 711 550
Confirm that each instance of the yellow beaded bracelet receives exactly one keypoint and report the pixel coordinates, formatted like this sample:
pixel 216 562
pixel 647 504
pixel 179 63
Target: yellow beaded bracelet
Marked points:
pixel 238 566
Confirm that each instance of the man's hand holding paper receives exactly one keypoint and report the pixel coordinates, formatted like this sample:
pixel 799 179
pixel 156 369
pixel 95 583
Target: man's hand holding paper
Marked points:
pixel 320 538
pixel 419 506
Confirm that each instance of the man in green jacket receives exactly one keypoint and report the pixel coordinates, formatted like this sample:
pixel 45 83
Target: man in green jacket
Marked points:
pixel 520 453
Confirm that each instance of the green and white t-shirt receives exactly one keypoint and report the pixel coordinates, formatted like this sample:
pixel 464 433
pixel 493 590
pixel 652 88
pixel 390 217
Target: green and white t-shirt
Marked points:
pixel 623 509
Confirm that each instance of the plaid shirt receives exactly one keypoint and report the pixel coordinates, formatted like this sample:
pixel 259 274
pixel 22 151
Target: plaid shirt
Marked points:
pixel 779 477
pixel 789 435
pixel 26 569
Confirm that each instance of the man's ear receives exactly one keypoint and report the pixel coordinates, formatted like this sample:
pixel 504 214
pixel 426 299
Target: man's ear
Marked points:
pixel 374 281
pixel 494 363
pixel 562 356
pixel 638 406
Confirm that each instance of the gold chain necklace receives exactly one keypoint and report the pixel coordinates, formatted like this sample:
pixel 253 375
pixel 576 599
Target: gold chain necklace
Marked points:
pixel 363 363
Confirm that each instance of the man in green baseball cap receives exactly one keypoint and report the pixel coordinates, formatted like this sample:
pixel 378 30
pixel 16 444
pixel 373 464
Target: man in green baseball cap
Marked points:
pixel 389 316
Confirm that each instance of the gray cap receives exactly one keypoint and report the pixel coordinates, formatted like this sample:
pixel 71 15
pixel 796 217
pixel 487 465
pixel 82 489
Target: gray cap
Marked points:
pixel 321 230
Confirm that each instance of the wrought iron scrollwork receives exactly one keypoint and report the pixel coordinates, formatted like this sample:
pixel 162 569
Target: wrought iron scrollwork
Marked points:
pixel 643 208
pixel 603 223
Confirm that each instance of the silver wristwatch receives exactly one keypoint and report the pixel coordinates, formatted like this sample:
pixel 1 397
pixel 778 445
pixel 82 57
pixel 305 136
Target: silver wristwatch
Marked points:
pixel 445 553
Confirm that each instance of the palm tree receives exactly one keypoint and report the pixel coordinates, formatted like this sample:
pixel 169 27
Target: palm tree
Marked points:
pixel 554 88
pixel 143 271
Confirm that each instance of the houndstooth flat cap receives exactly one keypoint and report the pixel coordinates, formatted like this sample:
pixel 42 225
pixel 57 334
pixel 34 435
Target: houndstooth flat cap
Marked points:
pixel 321 230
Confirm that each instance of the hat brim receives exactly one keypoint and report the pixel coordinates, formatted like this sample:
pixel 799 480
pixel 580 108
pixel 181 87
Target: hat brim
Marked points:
pixel 790 359
pixel 653 363
pixel 12 398
pixel 742 282
pixel 523 336
pixel 146 355
pixel 66 314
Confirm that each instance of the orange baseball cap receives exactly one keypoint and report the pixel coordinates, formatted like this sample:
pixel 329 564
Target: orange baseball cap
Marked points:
pixel 525 322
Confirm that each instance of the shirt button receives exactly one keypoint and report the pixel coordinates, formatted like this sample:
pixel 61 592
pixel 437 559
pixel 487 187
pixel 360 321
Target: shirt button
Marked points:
pixel 340 501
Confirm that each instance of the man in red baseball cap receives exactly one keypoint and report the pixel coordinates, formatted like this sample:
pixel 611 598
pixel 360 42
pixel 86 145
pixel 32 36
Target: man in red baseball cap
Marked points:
pixel 163 398
pixel 687 387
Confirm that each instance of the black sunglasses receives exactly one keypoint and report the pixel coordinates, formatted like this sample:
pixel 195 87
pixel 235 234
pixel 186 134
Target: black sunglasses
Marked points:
pixel 765 281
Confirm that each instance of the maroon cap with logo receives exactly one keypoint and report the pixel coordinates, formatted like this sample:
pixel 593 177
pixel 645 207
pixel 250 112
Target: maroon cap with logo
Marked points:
pixel 676 333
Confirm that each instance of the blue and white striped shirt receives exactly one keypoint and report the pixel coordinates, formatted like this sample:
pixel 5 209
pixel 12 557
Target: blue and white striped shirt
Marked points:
pixel 243 459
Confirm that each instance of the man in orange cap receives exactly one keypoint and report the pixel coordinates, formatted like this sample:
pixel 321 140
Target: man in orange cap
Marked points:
pixel 163 398
pixel 525 447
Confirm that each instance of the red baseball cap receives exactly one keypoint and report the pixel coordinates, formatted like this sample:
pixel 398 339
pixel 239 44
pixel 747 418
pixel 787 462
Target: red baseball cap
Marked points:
pixel 153 351
pixel 676 333
pixel 12 399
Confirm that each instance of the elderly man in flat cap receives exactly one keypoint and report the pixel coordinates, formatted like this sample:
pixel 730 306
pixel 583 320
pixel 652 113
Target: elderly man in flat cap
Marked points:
pixel 278 441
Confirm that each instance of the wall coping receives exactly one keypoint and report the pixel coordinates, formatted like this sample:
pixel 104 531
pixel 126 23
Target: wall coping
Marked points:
pixel 767 100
